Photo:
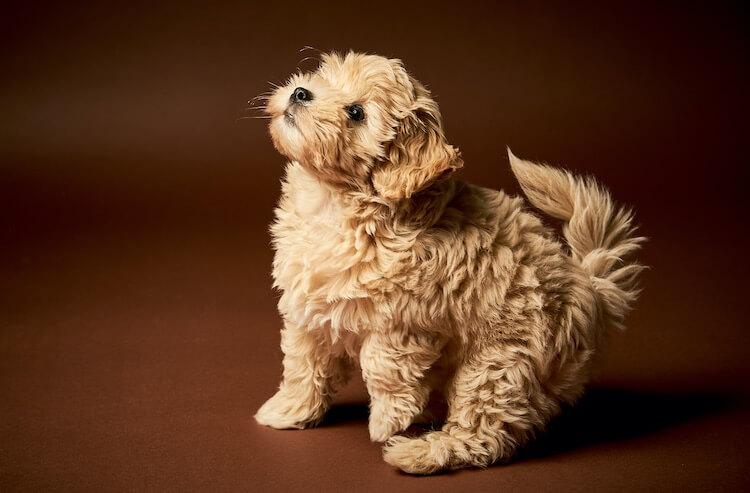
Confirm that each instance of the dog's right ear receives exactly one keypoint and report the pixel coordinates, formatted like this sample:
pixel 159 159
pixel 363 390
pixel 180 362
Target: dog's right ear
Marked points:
pixel 419 155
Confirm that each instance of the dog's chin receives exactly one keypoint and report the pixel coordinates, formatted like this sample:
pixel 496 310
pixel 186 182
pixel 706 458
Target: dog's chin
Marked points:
pixel 286 137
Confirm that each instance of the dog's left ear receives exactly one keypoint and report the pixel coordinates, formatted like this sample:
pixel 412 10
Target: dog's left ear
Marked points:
pixel 419 155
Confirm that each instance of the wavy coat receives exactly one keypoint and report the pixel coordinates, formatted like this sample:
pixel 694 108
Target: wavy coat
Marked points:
pixel 445 292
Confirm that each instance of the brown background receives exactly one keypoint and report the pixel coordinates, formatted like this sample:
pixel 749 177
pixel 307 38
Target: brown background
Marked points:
pixel 138 330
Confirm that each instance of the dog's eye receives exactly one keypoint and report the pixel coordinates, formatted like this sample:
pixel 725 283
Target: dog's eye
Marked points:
pixel 356 112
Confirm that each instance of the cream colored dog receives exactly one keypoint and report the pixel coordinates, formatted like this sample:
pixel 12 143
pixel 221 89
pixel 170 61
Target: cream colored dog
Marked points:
pixel 434 285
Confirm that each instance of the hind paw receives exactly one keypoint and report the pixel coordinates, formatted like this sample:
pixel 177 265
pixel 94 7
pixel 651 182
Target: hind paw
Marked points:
pixel 413 455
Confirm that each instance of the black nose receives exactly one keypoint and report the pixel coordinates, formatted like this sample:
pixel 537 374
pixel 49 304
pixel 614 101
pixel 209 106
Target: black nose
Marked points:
pixel 300 95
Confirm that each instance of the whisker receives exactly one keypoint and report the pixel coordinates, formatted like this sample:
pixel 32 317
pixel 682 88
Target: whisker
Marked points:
pixel 308 58
pixel 308 47
pixel 259 97
pixel 247 110
pixel 254 117
pixel 273 85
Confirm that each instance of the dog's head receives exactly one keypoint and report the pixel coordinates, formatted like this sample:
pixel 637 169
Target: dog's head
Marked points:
pixel 361 121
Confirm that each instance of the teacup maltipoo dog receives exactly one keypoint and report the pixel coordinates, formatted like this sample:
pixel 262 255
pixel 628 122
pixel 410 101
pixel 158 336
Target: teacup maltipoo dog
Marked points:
pixel 442 291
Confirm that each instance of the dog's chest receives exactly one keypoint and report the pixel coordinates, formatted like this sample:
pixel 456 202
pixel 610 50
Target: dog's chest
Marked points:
pixel 324 264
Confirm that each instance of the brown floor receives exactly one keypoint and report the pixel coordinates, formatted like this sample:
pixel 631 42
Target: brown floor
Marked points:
pixel 138 329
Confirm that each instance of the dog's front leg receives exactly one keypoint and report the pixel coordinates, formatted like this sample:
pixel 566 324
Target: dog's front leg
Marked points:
pixel 393 367
pixel 311 373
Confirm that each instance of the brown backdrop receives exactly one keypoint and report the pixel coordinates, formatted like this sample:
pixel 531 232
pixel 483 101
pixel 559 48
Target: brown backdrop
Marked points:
pixel 138 330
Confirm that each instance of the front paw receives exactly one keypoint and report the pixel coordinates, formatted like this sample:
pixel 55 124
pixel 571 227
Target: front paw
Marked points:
pixel 385 422
pixel 284 411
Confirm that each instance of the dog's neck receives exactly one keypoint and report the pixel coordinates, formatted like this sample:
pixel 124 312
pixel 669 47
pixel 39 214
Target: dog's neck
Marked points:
pixel 418 212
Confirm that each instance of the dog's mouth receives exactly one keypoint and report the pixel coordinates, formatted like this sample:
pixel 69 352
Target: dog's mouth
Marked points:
pixel 289 117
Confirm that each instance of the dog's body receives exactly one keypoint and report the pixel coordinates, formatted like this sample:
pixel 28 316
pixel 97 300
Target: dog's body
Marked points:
pixel 433 285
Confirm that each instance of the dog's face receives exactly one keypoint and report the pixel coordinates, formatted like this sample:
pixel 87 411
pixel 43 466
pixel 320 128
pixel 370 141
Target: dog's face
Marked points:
pixel 361 122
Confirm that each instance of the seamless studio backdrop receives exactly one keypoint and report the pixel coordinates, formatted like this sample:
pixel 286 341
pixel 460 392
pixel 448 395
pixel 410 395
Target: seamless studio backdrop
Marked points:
pixel 138 327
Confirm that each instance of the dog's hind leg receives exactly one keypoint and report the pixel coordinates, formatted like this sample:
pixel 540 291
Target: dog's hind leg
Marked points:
pixel 312 372
pixel 496 405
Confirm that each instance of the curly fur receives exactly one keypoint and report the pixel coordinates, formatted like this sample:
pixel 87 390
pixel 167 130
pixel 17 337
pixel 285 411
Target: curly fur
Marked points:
pixel 439 288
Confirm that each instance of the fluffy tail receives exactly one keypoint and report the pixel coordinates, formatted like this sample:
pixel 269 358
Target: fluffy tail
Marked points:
pixel 600 234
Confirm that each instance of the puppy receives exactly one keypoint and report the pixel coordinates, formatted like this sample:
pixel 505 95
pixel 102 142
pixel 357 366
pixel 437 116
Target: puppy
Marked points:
pixel 434 285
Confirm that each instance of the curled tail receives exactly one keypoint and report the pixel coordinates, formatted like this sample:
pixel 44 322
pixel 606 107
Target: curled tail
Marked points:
pixel 601 235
